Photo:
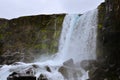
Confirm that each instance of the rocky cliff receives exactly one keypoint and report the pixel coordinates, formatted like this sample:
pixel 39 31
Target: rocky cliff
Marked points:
pixel 24 38
pixel 108 44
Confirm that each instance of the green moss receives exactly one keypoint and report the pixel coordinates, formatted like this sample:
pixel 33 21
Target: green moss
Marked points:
pixel 1 36
pixel 100 26
pixel 101 15
pixel 2 26
pixel 44 37
pixel 38 46
pixel 55 44
pixel 44 46
pixel 101 18
pixel 107 42
pixel 32 33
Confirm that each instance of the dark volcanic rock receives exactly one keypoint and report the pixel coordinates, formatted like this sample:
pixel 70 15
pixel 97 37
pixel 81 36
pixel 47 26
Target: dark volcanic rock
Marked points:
pixel 67 65
pixel 9 58
pixel 42 77
pixel 21 76
pixel 88 64
pixel 64 72
pixel 69 70
pixel 48 68
pixel 108 46
pixel 31 36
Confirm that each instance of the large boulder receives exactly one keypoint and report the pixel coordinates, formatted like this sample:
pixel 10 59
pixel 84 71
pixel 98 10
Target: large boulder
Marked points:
pixel 17 76
pixel 69 70
pixel 42 77
pixel 89 64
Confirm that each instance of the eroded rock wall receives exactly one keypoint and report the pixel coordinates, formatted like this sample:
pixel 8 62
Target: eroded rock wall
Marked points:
pixel 21 39
pixel 108 44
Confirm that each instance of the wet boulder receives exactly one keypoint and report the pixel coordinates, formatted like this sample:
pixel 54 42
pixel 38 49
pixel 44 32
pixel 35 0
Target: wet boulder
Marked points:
pixel 64 69
pixel 42 77
pixel 88 64
pixel 13 75
pixel 69 70
pixel 17 76
pixel 48 68
pixel 64 72
pixel 69 63
pixel 22 74
pixel 23 78
pixel 1 66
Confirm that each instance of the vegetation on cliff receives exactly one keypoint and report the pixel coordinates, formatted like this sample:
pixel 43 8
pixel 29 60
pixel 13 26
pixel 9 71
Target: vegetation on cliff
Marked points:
pixel 30 35
pixel 108 43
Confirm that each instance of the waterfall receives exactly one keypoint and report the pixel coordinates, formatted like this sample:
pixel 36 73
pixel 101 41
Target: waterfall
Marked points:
pixel 77 43
pixel 78 38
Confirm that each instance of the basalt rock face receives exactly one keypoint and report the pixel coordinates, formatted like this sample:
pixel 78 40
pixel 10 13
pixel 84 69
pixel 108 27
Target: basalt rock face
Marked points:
pixel 22 39
pixel 108 45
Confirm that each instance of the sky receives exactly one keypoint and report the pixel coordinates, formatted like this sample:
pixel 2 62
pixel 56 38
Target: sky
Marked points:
pixel 15 8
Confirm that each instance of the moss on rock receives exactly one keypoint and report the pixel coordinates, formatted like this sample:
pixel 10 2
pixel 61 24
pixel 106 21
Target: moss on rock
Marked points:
pixel 100 29
pixel 31 34
pixel 108 43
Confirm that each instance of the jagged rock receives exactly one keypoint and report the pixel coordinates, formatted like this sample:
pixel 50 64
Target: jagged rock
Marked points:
pixel 1 59
pixel 88 64
pixel 14 74
pixel 18 63
pixel 66 66
pixel 35 66
pixel 64 72
pixel 69 63
pixel 31 35
pixel 108 42
pixel 30 71
pixel 23 78
pixel 18 76
pixel 42 77
pixel 69 69
pixel 48 68
pixel 9 58
pixel 1 66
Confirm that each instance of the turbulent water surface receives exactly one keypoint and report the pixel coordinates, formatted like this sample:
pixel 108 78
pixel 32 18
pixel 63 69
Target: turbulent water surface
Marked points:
pixel 77 43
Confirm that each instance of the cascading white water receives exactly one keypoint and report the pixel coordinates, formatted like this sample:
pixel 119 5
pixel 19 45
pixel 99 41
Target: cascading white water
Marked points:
pixel 77 42
pixel 78 38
